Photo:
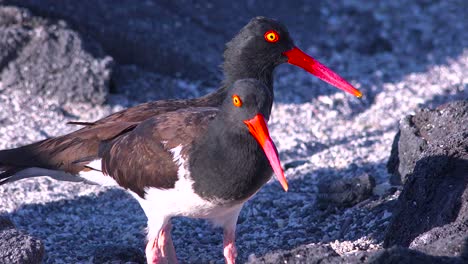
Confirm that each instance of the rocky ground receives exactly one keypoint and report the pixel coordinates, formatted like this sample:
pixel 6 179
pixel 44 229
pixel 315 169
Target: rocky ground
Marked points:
pixel 65 61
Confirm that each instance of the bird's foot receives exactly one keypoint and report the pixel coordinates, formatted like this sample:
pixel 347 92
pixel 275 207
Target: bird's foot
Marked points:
pixel 230 252
pixel 161 250
pixel 153 254
pixel 166 245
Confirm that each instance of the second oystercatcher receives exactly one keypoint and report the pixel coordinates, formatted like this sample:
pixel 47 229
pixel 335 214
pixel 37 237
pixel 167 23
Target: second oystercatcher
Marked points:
pixel 199 162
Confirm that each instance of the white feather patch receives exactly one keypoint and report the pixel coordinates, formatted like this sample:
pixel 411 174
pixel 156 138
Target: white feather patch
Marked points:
pixel 162 204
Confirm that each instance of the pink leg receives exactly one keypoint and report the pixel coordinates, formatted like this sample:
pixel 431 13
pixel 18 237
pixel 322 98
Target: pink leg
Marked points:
pixel 230 252
pixel 166 245
pixel 153 254
pixel 161 250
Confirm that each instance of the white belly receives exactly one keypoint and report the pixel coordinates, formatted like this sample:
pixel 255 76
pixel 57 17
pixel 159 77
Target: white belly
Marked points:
pixel 160 205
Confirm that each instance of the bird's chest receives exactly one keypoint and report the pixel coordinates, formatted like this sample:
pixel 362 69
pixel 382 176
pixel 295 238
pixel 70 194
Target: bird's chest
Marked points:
pixel 232 176
pixel 183 200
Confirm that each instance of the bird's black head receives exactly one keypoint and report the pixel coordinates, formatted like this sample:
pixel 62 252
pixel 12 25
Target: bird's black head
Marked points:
pixel 262 45
pixel 246 98
pixel 256 50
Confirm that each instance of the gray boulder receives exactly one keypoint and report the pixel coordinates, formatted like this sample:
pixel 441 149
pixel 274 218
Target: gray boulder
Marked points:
pixel 323 254
pixel 401 255
pixel 310 254
pixel 406 149
pixel 432 211
pixel 47 58
pixel 315 254
pixel 17 246
pixel 426 129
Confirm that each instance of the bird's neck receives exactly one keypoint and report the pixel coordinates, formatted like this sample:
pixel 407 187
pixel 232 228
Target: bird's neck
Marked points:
pixel 238 71
pixel 237 67
pixel 234 73
pixel 228 165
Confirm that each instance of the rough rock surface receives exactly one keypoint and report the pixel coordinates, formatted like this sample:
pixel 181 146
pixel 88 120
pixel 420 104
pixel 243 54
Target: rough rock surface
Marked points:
pixel 432 210
pixel 345 192
pixel 313 254
pixel 320 254
pixel 17 246
pixel 401 255
pixel 425 130
pixel 446 240
pixel 48 59
pixel 404 55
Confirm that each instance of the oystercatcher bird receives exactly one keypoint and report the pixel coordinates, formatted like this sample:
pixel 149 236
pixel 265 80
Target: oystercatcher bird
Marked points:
pixel 199 162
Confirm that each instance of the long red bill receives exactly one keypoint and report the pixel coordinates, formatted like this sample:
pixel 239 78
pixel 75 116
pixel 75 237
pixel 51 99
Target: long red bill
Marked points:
pixel 299 58
pixel 259 130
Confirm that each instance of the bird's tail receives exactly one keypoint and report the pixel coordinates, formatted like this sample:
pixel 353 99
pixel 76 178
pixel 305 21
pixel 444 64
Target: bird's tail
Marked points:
pixel 26 162
pixel 6 170
pixel 61 158
pixel 5 175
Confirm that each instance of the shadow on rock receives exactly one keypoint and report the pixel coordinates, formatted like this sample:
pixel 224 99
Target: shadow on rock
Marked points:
pixel 17 246
pixel 433 196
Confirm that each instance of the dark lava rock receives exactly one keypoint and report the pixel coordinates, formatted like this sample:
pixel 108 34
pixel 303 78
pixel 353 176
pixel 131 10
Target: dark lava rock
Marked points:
pixel 17 246
pixel 324 254
pixel 345 192
pixel 432 211
pixel 400 255
pixel 443 240
pixel 310 254
pixel 406 150
pixel 46 58
pixel 427 127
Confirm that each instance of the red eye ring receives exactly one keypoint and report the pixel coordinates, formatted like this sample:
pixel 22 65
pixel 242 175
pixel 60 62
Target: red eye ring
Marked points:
pixel 271 36
pixel 236 101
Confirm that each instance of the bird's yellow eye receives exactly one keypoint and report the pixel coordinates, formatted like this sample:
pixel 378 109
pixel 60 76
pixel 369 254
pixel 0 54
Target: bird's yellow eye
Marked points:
pixel 236 101
pixel 271 36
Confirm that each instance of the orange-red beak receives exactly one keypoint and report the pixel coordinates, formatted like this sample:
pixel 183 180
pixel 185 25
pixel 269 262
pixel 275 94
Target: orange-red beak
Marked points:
pixel 299 58
pixel 259 130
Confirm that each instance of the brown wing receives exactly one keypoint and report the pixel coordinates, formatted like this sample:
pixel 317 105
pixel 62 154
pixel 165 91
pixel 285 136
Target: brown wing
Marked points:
pixel 63 152
pixel 142 157
pixel 144 111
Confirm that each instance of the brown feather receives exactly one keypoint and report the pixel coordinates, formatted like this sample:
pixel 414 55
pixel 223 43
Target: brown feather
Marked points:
pixel 142 158
pixel 60 153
